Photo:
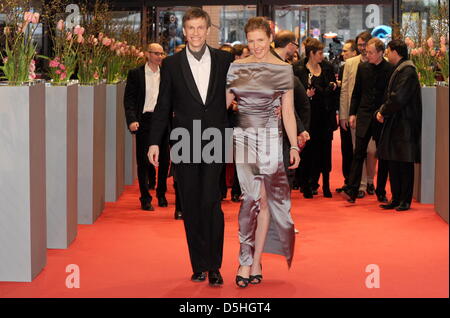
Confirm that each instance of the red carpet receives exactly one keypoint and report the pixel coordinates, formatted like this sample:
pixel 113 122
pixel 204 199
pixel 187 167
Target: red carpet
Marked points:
pixel 132 253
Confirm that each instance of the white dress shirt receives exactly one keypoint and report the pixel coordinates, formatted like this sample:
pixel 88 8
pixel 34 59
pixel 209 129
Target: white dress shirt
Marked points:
pixel 201 71
pixel 151 88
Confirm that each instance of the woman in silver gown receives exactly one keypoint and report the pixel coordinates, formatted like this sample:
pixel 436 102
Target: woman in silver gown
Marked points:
pixel 262 85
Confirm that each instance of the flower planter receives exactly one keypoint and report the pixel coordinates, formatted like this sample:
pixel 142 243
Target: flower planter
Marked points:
pixel 61 113
pixel 424 175
pixel 23 234
pixel 91 152
pixel 130 156
pixel 115 142
pixel 442 159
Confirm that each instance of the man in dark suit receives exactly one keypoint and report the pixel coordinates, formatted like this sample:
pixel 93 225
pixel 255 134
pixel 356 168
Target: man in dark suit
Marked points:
pixel 368 95
pixel 193 89
pixel 285 46
pixel 141 93
pixel 401 115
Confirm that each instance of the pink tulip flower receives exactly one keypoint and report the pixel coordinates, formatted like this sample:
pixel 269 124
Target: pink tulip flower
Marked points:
pixel 63 76
pixel 60 25
pixel 54 63
pixel 430 42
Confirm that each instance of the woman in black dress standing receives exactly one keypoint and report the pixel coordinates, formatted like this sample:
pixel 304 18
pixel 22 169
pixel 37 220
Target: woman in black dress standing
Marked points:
pixel 318 77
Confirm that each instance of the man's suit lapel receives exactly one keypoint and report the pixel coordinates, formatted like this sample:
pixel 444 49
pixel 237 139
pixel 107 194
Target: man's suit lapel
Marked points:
pixel 142 79
pixel 212 77
pixel 188 77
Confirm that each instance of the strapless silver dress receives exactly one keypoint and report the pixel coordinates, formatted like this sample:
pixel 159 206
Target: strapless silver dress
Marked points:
pixel 258 153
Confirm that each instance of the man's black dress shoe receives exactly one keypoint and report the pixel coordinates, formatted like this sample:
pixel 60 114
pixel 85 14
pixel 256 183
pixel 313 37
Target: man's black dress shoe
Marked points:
pixel 403 206
pixel 350 195
pixel 382 198
pixel 162 201
pixel 198 277
pixel 327 193
pixel 178 215
pixel 339 190
pixel 390 206
pixel 215 279
pixel 235 198
pixel 361 194
pixel 147 206
pixel 370 189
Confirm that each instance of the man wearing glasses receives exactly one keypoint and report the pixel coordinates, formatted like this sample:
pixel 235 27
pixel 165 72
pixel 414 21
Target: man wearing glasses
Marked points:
pixel 348 84
pixel 141 94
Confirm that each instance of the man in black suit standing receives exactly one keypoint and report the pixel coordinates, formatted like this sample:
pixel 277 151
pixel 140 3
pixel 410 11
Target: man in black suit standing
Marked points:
pixel 193 90
pixel 401 115
pixel 141 94
pixel 371 82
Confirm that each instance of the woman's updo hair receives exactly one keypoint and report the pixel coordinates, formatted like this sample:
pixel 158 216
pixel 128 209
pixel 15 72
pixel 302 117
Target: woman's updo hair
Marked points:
pixel 312 45
pixel 258 23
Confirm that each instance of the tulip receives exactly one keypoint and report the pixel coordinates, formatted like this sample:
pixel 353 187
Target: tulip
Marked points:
pixel 80 38
pixel 96 76
pixel 32 76
pixel 7 30
pixel 60 25
pixel 78 30
pixel 106 41
pixel 432 52
pixel 54 63
pixel 58 72
pixel 63 76
pixel 443 49
pixel 419 50
pixel 62 67
pixel 414 52
pixel 100 36
pixel 442 40
pixel 430 42
pixel 69 36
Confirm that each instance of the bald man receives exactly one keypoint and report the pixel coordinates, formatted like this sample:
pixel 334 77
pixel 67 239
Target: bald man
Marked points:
pixel 141 94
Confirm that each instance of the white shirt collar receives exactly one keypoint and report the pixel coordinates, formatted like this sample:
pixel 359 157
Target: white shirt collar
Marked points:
pixel 148 70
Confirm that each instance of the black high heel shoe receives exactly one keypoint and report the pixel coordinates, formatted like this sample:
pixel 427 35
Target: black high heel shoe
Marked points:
pixel 258 278
pixel 243 280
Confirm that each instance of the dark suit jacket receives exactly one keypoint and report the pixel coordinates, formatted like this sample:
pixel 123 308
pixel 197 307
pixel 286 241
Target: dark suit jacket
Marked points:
pixel 178 94
pixel 134 97
pixel 368 94
pixel 402 110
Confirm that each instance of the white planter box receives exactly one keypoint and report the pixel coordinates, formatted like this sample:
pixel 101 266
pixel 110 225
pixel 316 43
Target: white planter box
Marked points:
pixel 115 142
pixel 425 171
pixel 442 159
pixel 61 157
pixel 23 234
pixel 91 152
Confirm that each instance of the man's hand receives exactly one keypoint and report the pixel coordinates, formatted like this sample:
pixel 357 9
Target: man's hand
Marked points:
pixel 352 121
pixel 303 138
pixel 278 111
pixel 153 155
pixel 343 123
pixel 134 126
pixel 310 92
pixel 380 117
pixel 234 105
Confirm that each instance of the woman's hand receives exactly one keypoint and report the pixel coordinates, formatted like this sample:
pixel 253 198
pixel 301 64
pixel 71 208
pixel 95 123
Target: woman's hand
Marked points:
pixel 294 159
